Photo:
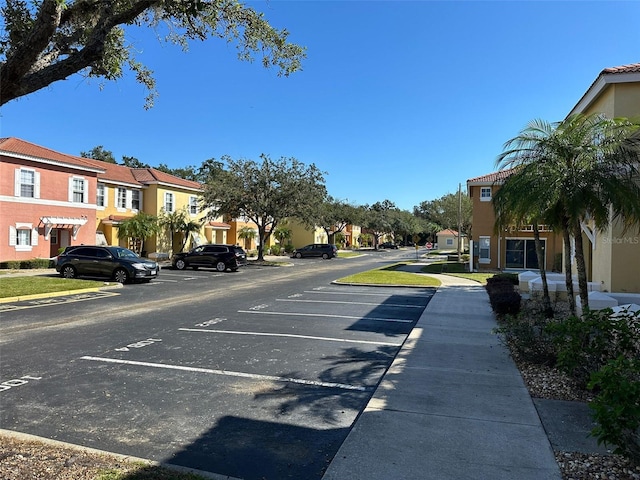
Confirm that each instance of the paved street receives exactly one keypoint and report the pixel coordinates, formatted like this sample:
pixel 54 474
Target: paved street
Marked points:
pixel 256 374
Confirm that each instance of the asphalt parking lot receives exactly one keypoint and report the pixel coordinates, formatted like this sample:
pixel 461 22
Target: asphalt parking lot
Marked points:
pixel 253 385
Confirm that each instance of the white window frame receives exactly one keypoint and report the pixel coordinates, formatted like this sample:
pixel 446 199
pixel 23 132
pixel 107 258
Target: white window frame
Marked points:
pixel 19 183
pixel 121 199
pixel 19 241
pixel 101 195
pixel 169 202
pixel 484 259
pixel 73 191
pixel 136 197
pixel 483 192
pixel 193 205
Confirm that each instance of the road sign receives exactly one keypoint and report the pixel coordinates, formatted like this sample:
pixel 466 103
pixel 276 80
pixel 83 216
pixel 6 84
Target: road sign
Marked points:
pixel 429 245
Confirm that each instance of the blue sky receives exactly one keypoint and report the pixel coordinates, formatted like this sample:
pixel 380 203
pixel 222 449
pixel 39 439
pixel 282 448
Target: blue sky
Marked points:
pixel 397 100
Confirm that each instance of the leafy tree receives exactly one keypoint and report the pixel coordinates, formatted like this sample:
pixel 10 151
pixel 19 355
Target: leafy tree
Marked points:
pixel 188 173
pixel 138 229
pixel 44 41
pixel 586 170
pixel 99 153
pixel 445 211
pixel 133 162
pixel 265 192
pixel 378 219
pixel 334 215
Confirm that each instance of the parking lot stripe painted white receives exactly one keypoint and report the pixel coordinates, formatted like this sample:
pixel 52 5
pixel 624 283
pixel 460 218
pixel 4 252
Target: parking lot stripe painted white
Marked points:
pixel 229 373
pixel 350 303
pixel 290 335
pixel 291 314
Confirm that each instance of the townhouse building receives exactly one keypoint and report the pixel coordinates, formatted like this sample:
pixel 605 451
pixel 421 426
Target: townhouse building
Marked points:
pixel 47 200
pixel 612 255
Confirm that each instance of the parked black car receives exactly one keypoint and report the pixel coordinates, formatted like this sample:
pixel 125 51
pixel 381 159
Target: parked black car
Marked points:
pixel 220 257
pixel 324 250
pixel 388 245
pixel 117 263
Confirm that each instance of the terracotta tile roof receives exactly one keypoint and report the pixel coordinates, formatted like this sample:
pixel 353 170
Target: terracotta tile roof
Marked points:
pixel 448 231
pixel 114 172
pixel 491 178
pixel 27 149
pixel 631 68
pixel 151 175
pixel 217 225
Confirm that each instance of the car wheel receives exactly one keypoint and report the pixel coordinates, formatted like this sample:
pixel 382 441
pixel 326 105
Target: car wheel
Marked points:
pixel 69 272
pixel 121 275
pixel 181 264
pixel 221 266
pixel 326 256
pixel 298 255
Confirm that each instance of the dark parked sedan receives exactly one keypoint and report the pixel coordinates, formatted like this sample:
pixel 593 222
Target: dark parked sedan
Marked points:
pixel 324 250
pixel 220 257
pixel 388 245
pixel 117 263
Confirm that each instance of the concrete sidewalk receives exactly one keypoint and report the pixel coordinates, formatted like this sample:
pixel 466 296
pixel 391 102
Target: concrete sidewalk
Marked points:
pixel 452 405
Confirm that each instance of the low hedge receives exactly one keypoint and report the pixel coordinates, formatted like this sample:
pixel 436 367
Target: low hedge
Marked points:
pixel 26 264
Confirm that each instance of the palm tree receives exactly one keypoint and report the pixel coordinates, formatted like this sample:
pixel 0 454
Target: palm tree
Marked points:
pixel 246 234
pixel 188 227
pixel 173 222
pixel 139 227
pixel 513 204
pixel 586 171
pixel 282 233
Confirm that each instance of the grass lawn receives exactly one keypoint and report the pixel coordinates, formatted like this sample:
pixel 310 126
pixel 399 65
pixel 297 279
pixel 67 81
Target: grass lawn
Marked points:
pixel 390 276
pixel 30 285
pixel 456 269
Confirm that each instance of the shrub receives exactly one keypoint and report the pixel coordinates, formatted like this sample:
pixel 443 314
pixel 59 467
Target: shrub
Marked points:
pixel 275 249
pixel 505 302
pixel 288 248
pixel 616 408
pixel 587 343
pixel 527 338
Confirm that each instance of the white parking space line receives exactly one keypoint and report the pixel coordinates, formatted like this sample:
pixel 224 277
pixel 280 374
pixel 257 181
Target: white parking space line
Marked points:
pixel 290 314
pixel 289 335
pixel 350 303
pixel 164 280
pixel 229 373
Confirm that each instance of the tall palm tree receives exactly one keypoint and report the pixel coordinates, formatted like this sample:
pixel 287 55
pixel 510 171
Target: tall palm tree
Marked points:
pixel 186 228
pixel 173 222
pixel 516 203
pixel 586 172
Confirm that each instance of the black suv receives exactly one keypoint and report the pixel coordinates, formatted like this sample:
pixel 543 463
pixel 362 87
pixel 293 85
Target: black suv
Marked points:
pixel 324 250
pixel 117 263
pixel 220 257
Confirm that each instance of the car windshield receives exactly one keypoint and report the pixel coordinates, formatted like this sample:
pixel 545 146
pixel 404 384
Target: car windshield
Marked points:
pixel 125 253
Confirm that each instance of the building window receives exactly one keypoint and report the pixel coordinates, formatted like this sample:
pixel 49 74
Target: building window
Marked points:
pixel 22 236
pixel 77 190
pixel 168 202
pixel 521 253
pixel 485 194
pixel 27 183
pixel 122 198
pixel 135 199
pixel 193 205
pixel 449 242
pixel 484 250
pixel 100 196
pixel 53 236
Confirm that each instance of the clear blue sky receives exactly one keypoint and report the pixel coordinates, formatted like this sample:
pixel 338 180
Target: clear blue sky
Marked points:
pixel 398 100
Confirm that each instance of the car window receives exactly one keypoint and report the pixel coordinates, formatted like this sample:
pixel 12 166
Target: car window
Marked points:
pixel 216 249
pixel 125 253
pixel 102 253
pixel 83 252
